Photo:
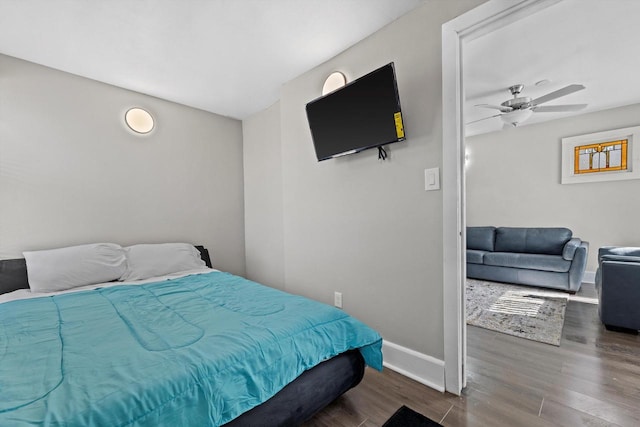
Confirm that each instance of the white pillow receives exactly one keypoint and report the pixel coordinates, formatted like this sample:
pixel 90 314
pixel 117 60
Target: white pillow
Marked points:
pixel 74 266
pixel 152 260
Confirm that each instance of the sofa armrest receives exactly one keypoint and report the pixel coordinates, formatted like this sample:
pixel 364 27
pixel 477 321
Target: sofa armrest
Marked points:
pixel 570 247
pixel 578 266
pixel 611 258
pixel 619 294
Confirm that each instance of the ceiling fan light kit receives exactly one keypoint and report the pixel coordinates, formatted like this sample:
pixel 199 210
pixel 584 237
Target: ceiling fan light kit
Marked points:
pixel 515 117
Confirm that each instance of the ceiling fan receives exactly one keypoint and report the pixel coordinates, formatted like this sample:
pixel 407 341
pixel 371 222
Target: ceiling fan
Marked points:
pixel 520 108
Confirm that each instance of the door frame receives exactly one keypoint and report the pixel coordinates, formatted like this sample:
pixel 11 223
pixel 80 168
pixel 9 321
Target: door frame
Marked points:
pixel 475 23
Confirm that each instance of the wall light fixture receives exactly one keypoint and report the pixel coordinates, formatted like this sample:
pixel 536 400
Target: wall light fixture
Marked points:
pixel 335 81
pixel 139 120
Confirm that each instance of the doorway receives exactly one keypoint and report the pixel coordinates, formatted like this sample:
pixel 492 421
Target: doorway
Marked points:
pixel 475 23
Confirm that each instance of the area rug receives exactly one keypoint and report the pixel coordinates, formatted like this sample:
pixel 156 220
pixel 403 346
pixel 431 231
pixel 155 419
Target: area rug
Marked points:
pixel 522 311
pixel 407 417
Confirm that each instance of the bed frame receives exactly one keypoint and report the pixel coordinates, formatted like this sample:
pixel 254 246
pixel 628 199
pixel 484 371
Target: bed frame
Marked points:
pixel 299 401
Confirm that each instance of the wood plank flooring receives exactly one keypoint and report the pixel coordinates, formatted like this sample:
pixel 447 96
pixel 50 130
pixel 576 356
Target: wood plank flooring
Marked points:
pixel 592 379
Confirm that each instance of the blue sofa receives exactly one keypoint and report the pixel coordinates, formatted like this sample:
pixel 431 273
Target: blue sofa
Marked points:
pixel 618 287
pixel 545 257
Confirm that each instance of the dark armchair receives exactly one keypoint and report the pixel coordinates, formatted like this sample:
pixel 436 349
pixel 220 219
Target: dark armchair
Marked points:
pixel 618 286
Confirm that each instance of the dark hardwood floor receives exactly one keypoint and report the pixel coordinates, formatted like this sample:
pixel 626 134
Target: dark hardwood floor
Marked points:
pixel 592 379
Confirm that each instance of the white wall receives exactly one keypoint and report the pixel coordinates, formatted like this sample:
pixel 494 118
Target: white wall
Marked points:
pixel 513 179
pixel 263 197
pixel 71 172
pixel 360 226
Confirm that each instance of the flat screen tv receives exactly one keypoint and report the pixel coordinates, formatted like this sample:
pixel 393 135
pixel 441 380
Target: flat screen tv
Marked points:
pixel 363 114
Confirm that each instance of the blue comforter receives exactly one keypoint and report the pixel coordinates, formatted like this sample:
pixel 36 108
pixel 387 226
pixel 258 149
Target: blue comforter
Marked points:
pixel 199 351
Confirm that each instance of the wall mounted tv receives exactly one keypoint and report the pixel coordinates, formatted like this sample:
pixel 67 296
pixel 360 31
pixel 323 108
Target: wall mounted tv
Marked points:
pixel 363 114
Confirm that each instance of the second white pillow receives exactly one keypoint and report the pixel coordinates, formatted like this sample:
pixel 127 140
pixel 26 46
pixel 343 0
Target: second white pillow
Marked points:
pixel 153 260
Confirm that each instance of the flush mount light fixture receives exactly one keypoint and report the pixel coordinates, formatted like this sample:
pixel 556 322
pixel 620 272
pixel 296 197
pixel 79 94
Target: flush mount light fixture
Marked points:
pixel 335 81
pixel 139 120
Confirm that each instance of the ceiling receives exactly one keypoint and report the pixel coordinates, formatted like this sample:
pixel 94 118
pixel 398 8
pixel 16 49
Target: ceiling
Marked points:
pixel 228 57
pixel 590 42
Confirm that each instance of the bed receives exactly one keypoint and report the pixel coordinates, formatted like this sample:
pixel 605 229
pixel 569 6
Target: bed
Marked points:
pixel 203 348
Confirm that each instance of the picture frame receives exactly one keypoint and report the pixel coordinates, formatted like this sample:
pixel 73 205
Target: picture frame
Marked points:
pixel 601 156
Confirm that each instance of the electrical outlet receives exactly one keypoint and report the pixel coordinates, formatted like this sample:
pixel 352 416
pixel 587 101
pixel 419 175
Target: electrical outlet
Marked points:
pixel 337 299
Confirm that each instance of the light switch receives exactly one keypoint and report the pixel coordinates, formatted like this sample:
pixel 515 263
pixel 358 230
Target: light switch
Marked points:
pixel 432 179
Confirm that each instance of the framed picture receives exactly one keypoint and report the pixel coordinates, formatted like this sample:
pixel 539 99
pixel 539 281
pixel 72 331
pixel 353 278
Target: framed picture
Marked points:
pixel 601 156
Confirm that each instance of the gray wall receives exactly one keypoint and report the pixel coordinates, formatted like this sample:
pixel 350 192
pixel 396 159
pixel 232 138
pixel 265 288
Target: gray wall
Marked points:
pixel 513 179
pixel 71 172
pixel 263 197
pixel 357 225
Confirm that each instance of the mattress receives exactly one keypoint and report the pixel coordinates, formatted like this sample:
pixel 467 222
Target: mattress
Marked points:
pixel 197 350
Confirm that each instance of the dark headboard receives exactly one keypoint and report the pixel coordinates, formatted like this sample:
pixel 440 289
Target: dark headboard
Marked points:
pixel 13 275
pixel 13 272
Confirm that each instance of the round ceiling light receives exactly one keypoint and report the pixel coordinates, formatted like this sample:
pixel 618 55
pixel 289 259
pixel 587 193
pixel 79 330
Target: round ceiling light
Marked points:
pixel 139 120
pixel 335 81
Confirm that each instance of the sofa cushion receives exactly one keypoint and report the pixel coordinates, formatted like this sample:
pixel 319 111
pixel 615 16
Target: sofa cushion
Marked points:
pixel 475 256
pixel 618 250
pixel 527 261
pixel 549 241
pixel 481 238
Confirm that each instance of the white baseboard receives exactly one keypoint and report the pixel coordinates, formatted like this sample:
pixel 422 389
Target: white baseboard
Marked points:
pixel 589 277
pixel 420 367
pixel 423 368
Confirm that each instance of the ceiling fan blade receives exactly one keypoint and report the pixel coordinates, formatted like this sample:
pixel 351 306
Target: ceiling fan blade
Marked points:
pixel 486 118
pixel 558 108
pixel 495 107
pixel 557 94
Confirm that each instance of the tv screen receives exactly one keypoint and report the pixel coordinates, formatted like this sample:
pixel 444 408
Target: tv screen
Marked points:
pixel 363 114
